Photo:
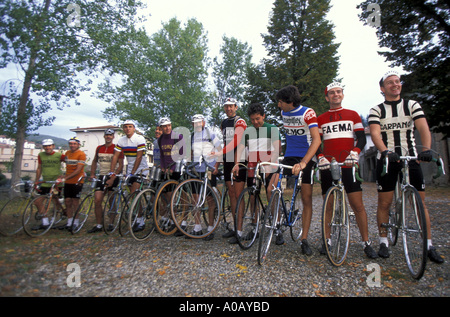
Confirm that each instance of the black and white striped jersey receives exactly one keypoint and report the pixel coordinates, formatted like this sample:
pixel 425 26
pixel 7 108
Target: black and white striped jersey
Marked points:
pixel 396 120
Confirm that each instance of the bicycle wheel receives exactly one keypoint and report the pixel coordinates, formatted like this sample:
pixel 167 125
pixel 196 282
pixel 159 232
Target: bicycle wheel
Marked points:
pixel 226 222
pixel 249 209
pixel 111 211
pixel 124 226
pixel 296 214
pixel 11 215
pixel 39 216
pixel 141 221
pixel 335 226
pixel 414 232
pixel 82 214
pixel 195 213
pixel 269 225
pixel 161 210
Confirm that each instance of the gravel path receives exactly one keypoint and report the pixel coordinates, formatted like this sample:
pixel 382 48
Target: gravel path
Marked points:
pixel 113 266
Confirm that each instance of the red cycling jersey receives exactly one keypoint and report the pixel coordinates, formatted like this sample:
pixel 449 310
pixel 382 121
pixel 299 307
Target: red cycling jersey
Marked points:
pixel 337 128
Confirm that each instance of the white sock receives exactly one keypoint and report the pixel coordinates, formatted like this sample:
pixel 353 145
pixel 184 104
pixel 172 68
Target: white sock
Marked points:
pixel 429 244
pixel 384 240
pixel 69 222
pixel 210 228
pixel 45 221
pixel 197 228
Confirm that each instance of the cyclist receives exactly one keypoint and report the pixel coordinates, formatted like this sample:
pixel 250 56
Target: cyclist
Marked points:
pixel 75 160
pixel 102 159
pixel 302 142
pixel 392 124
pixel 132 145
pixel 156 150
pixel 338 128
pixel 172 148
pixel 233 128
pixel 263 143
pixel 204 141
pixel 49 167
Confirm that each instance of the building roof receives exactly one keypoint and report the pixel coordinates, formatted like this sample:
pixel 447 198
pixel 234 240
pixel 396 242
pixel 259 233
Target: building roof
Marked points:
pixel 101 128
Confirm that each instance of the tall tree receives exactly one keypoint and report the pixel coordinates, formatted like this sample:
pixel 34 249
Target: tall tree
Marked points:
pixel 163 75
pixel 417 34
pixel 230 75
pixel 301 51
pixel 52 42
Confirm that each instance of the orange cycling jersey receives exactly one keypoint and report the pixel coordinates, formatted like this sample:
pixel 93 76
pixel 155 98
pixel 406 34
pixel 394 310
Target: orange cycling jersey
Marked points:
pixel 72 161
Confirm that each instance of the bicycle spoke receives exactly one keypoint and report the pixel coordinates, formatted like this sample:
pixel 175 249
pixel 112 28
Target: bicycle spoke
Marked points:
pixel 414 233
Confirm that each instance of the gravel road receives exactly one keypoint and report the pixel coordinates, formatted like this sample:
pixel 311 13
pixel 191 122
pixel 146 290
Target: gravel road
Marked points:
pixel 114 266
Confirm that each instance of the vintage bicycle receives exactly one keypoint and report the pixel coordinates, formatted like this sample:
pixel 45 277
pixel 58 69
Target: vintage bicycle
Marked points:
pixel 407 217
pixel 281 213
pixel 335 216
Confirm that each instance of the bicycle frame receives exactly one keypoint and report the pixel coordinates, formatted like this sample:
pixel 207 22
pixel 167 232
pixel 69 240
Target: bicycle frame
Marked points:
pixel 280 189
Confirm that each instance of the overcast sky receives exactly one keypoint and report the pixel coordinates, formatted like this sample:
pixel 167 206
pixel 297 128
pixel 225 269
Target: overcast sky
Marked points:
pixel 361 67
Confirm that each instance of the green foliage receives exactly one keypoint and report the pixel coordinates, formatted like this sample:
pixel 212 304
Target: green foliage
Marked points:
pixel 417 35
pixel 162 75
pixel 32 120
pixel 301 52
pixel 230 76
pixel 44 40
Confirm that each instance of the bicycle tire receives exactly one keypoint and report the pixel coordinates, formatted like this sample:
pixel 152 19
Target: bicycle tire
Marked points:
pixel 296 224
pixel 161 212
pixel 141 221
pixel 185 213
pixel 227 220
pixel 32 219
pixel 337 225
pixel 124 226
pixel 414 232
pixel 83 212
pixel 269 226
pixel 11 215
pixel 249 214
pixel 111 211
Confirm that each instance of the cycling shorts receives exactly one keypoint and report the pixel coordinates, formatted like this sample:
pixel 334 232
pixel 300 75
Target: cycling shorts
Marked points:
pixel 347 178
pixel 228 167
pixel 387 182
pixel 307 171
pixel 72 190
pixel 101 183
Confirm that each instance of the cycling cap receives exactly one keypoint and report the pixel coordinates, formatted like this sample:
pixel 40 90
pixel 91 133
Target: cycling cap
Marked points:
pixel 164 121
pixel 47 142
pixel 74 139
pixel 109 131
pixel 333 85
pixel 230 101
pixel 198 118
pixel 389 74
pixel 128 122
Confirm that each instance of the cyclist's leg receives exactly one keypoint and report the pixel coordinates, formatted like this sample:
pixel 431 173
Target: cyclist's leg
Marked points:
pixel 417 180
pixel 385 187
pixel 238 187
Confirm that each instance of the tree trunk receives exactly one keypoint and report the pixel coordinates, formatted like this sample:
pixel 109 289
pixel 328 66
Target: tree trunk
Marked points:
pixel 21 111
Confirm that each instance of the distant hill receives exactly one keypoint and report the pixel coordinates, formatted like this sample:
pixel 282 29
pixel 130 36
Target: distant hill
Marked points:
pixel 59 142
